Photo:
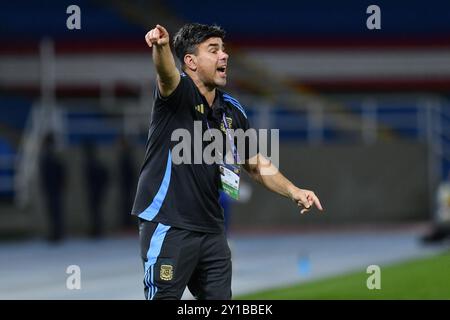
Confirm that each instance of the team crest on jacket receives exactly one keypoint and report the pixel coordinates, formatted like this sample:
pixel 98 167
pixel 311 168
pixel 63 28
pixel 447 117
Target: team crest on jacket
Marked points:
pixel 166 272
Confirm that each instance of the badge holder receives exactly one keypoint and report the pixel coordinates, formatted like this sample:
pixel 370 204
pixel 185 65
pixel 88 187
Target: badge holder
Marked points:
pixel 229 179
pixel 230 173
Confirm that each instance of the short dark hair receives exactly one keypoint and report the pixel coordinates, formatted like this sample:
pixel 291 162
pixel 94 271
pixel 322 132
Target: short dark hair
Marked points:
pixel 191 35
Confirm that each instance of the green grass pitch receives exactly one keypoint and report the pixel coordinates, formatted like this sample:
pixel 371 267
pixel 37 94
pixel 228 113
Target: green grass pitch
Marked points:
pixel 426 278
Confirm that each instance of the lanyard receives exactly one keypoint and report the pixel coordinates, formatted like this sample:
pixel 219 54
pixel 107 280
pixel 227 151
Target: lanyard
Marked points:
pixel 225 123
pixel 235 153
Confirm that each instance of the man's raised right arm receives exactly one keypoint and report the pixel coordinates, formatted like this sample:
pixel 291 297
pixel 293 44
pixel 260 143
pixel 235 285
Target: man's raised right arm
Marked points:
pixel 168 74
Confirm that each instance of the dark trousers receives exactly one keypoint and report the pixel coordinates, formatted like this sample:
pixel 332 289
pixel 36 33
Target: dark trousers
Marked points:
pixel 175 258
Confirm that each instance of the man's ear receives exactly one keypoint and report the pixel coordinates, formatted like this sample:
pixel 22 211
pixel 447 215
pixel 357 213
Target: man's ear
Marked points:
pixel 190 61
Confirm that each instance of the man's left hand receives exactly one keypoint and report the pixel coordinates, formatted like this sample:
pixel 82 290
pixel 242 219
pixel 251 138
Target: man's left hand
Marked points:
pixel 305 199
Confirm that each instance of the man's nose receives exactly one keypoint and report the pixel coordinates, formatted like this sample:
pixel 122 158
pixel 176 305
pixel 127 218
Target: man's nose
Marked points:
pixel 224 56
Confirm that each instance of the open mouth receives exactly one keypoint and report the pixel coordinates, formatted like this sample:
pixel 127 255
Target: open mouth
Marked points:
pixel 222 70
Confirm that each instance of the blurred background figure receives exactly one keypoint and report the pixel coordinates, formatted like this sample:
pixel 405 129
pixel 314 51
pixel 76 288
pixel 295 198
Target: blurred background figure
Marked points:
pixel 96 178
pixel 441 223
pixel 53 181
pixel 127 183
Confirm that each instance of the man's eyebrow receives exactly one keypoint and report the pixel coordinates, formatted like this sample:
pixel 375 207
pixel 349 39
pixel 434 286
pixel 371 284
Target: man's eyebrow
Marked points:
pixel 213 45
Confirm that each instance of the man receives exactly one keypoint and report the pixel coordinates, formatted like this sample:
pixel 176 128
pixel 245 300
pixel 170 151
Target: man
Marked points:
pixel 96 178
pixel 53 181
pixel 441 219
pixel 180 220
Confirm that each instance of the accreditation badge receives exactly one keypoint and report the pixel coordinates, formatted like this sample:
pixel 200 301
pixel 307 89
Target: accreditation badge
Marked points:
pixel 229 178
